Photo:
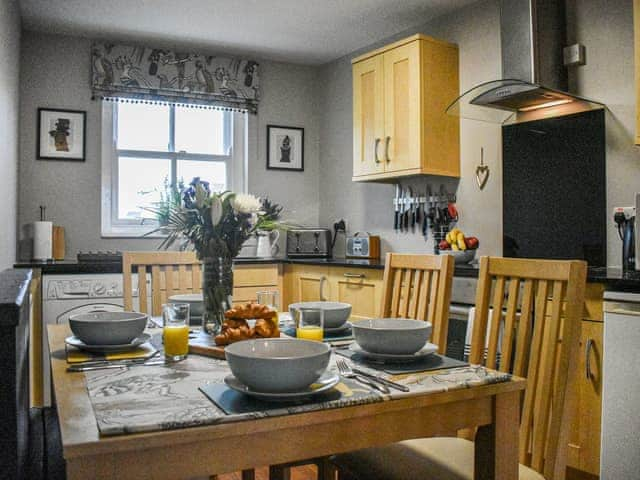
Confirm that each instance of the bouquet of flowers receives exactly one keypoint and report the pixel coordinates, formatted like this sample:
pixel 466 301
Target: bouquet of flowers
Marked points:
pixel 216 225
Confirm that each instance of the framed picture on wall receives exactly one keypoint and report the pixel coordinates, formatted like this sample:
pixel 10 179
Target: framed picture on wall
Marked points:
pixel 285 148
pixel 61 134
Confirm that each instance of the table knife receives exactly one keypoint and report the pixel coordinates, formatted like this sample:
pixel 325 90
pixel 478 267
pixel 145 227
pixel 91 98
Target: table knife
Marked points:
pixel 384 381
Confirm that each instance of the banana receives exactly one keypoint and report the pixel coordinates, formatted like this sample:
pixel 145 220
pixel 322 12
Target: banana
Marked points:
pixel 449 238
pixel 460 240
pixel 454 247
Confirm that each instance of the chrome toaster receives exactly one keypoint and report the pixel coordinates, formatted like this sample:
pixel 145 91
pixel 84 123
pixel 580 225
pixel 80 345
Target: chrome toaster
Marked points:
pixel 309 242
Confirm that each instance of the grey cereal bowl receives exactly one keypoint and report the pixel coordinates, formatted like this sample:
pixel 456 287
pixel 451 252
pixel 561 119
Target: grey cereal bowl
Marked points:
pixel 195 301
pixel 335 313
pixel 277 365
pixel 393 336
pixel 107 328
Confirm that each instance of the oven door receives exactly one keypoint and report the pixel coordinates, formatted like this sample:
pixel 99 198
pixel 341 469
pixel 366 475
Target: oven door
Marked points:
pixel 457 331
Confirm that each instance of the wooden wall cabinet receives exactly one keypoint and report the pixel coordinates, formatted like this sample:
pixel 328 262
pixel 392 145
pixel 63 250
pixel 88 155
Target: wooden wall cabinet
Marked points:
pixel 400 94
pixel 361 287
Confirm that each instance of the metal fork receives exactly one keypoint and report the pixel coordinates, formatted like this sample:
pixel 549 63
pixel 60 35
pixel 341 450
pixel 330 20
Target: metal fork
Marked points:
pixel 345 371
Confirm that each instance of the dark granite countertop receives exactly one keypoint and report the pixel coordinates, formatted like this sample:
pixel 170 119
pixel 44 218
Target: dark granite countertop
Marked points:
pixel 73 266
pixel 613 277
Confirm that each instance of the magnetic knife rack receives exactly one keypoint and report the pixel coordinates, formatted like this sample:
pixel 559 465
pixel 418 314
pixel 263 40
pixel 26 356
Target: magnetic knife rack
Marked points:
pixel 422 205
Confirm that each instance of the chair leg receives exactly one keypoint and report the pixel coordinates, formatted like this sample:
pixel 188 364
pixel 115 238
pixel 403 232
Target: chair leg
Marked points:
pixel 279 472
pixel 248 474
pixel 326 469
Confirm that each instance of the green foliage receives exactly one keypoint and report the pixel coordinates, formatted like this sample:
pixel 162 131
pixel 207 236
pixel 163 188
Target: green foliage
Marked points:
pixel 216 224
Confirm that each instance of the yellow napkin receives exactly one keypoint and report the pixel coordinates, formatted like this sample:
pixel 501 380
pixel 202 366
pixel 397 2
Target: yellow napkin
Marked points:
pixel 74 355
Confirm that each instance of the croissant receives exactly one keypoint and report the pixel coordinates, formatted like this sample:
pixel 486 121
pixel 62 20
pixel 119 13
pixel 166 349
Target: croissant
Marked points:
pixel 234 330
pixel 266 328
pixel 251 310
pixel 235 327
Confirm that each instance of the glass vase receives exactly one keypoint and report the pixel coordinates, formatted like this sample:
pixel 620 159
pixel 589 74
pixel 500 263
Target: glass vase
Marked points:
pixel 217 289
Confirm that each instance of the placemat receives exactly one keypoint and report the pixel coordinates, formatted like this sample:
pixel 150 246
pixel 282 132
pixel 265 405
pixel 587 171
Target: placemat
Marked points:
pixel 429 363
pixel 329 337
pixel 347 392
pixel 75 355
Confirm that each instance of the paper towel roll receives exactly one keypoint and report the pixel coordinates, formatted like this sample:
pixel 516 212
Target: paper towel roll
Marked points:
pixel 42 240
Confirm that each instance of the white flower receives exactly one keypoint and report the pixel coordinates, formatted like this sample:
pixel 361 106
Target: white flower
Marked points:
pixel 216 210
pixel 246 203
pixel 201 195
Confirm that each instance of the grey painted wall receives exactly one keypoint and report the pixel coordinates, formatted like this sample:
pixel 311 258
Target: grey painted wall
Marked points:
pixel 605 27
pixel 9 92
pixel 56 74
pixel 368 206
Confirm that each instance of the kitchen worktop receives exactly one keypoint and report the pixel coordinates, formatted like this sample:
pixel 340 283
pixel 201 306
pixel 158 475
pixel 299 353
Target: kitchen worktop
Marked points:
pixel 74 267
pixel 613 277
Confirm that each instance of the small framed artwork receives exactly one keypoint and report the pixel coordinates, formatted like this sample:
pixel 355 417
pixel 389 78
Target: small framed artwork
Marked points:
pixel 285 148
pixel 61 134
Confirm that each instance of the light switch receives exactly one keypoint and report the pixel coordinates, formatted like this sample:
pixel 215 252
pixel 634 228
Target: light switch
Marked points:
pixel 574 55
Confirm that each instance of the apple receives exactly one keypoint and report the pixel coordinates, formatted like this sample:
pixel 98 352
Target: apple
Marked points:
pixel 444 245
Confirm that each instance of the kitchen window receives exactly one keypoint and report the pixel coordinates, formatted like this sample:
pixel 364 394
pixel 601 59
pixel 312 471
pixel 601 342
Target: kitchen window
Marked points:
pixel 147 145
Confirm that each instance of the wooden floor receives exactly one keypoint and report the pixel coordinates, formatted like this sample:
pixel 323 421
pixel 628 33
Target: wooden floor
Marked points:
pixel 305 472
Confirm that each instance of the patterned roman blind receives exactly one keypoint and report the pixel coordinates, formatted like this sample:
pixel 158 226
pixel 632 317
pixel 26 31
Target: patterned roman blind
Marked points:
pixel 160 75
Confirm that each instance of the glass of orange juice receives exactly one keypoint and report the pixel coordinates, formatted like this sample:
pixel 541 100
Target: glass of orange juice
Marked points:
pixel 309 323
pixel 175 332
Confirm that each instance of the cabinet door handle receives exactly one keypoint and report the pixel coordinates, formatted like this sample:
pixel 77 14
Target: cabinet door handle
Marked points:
pixel 322 280
pixel 587 358
pixel 354 275
pixel 386 149
pixel 375 150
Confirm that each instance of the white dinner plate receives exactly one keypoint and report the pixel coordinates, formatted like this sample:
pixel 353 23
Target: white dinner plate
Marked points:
pixel 341 328
pixel 125 347
pixel 326 382
pixel 427 350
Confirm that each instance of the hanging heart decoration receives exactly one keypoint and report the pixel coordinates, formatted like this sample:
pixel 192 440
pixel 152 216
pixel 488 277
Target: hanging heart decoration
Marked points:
pixel 482 171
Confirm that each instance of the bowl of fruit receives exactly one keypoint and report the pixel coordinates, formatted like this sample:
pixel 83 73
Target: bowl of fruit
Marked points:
pixel 462 248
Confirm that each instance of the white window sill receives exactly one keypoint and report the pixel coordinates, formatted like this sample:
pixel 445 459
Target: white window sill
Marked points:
pixel 134 231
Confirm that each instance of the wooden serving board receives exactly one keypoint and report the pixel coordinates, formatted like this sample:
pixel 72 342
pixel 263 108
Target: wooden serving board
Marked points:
pixel 203 344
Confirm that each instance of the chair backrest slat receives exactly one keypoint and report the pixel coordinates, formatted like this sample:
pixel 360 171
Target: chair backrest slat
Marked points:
pixel 171 273
pixel 539 320
pixel 419 287
pixel 496 323
pixel 524 330
pixel 508 337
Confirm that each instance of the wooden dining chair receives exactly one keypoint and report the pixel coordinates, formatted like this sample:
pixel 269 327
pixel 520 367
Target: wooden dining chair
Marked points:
pixel 539 303
pixel 419 287
pixel 414 286
pixel 171 273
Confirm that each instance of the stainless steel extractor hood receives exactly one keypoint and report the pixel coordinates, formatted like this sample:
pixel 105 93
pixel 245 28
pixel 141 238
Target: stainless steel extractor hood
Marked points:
pixel 533 34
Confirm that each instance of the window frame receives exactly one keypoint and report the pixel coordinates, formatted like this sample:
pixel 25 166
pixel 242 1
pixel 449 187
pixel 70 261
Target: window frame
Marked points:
pixel 234 135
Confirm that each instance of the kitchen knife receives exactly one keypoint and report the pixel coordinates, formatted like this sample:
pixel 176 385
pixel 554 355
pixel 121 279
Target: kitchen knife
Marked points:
pixel 396 218
pixel 413 211
pixel 403 207
pixel 407 207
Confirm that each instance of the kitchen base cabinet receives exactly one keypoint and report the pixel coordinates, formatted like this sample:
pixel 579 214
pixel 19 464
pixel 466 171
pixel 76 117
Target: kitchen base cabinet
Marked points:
pixel 583 455
pixel 248 280
pixel 305 283
pixel 361 287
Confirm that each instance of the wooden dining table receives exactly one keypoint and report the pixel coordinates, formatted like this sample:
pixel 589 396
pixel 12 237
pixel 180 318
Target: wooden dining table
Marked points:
pixel 205 450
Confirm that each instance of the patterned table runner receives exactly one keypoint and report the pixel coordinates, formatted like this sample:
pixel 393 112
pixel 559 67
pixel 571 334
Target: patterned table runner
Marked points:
pixel 142 399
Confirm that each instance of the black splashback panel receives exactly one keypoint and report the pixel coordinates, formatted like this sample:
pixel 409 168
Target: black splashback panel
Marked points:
pixel 554 188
